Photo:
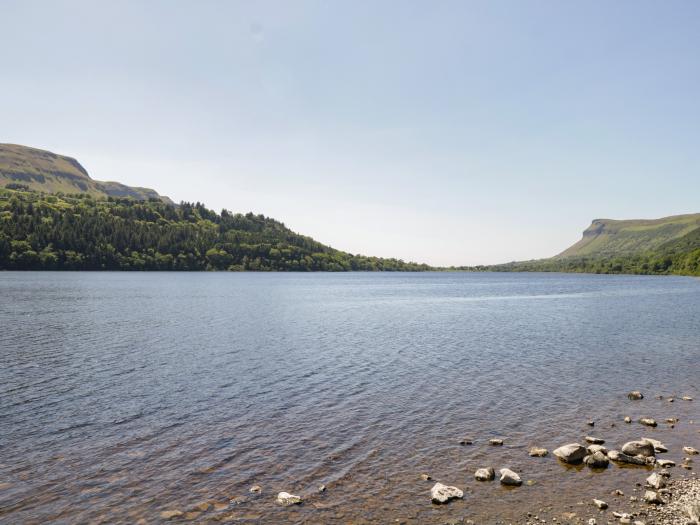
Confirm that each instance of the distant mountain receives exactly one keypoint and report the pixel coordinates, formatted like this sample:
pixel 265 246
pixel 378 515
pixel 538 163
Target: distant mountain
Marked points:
pixel 670 245
pixel 605 237
pixel 40 170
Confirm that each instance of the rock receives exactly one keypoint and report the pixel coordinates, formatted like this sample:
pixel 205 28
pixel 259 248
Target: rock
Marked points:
pixel 664 473
pixel 596 460
pixel 592 449
pixel 255 489
pixel 672 420
pixel 508 477
pixel 442 493
pixel 425 477
pixel 664 463
pixel 538 452
pixel 650 422
pixel 466 441
pixel 594 440
pixel 687 398
pixel 638 448
pixel 590 423
pixel 170 514
pixel 618 492
pixel 659 447
pixel 639 523
pixel 652 498
pixel 635 395
pixel 321 488
pixel 592 521
pixel 628 419
pixel 656 481
pixel 690 451
pixel 285 498
pixel 485 474
pixel 600 504
pixel 571 453
pixel 496 442
pixel 620 457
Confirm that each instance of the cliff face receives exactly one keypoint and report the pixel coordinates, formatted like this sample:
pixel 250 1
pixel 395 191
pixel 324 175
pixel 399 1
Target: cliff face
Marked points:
pixel 45 171
pixel 606 237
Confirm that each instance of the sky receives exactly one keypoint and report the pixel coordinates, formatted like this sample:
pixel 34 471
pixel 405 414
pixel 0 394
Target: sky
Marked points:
pixel 447 132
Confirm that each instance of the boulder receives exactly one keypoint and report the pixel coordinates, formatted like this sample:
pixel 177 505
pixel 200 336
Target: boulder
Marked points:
pixel 592 449
pixel 635 395
pixel 659 447
pixel 538 452
pixel 648 421
pixel 508 477
pixel 594 440
pixel 442 493
pixel 571 453
pixel 690 451
pixel 620 457
pixel 638 448
pixel 485 474
pixel 596 460
pixel 656 481
pixel 285 498
pixel 600 504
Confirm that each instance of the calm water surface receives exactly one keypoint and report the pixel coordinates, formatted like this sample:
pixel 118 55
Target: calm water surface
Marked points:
pixel 123 395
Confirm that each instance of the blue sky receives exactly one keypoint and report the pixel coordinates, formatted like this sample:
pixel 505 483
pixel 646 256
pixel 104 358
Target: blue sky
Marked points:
pixel 444 132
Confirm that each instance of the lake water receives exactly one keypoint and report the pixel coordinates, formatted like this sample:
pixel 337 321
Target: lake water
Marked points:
pixel 123 395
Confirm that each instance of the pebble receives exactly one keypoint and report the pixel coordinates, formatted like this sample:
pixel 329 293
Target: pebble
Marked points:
pixel 628 419
pixel 425 477
pixel 255 489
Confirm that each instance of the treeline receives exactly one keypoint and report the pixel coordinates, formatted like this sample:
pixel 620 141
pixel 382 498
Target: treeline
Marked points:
pixel 665 261
pixel 79 232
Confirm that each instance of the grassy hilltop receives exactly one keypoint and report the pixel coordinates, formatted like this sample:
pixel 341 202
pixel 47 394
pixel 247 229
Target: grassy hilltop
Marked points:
pixel 670 245
pixel 35 169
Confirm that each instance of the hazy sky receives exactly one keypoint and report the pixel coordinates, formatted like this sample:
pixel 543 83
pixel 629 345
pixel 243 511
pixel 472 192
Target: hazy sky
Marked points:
pixel 443 132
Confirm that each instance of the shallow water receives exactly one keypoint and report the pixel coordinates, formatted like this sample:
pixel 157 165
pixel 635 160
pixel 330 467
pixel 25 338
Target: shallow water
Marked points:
pixel 123 395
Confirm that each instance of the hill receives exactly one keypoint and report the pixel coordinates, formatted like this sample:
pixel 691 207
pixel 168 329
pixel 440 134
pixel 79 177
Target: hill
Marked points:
pixel 39 231
pixel 670 245
pixel 22 167
pixel 605 237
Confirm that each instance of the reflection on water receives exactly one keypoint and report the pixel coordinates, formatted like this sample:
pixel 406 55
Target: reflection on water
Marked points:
pixel 124 395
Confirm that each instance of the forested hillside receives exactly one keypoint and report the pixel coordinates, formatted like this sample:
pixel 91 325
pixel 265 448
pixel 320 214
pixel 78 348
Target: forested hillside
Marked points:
pixel 80 232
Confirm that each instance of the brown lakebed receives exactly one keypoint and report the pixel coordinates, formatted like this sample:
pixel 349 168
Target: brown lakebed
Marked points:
pixel 127 396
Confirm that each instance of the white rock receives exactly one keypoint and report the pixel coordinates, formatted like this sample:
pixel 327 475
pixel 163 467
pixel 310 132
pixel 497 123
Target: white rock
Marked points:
pixel 496 442
pixel 600 504
pixel 442 493
pixel 658 445
pixel 485 474
pixel 690 451
pixel 656 481
pixel 648 421
pixel 594 440
pixel 635 395
pixel 508 477
pixel 652 497
pixel 285 498
pixel 538 452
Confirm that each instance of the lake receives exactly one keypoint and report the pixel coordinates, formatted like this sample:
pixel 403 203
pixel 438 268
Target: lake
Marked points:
pixel 124 395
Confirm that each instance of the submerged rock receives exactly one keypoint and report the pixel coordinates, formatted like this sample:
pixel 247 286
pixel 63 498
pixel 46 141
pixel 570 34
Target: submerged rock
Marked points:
pixel 538 452
pixel 621 457
pixel 571 453
pixel 508 477
pixel 638 448
pixel 659 447
pixel 635 395
pixel 596 460
pixel 485 474
pixel 285 498
pixel 443 493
